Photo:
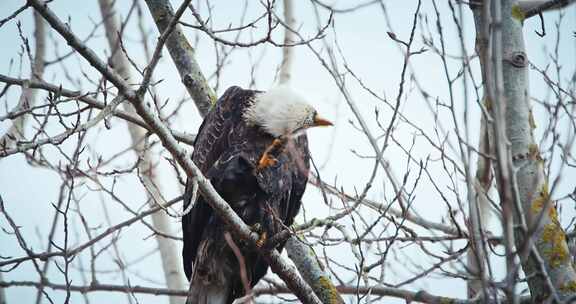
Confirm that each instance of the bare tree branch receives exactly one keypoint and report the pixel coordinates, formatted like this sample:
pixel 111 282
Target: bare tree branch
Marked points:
pixel 432 176
pixel 182 54
pixel 421 296
pixel 532 8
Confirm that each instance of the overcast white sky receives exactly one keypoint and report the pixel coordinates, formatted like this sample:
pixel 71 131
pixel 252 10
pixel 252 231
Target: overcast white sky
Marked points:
pixel 28 192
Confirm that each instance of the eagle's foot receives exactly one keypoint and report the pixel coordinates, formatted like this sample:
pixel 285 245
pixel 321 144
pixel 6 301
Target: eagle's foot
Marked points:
pixel 266 161
pixel 262 235
pixel 262 240
pixel 268 158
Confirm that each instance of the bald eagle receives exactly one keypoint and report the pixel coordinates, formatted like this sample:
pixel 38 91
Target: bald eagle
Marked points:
pixel 253 148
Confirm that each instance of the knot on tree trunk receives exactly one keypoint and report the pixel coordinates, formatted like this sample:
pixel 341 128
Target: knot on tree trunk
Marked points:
pixel 517 59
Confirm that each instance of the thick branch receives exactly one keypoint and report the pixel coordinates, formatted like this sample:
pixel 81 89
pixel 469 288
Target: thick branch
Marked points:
pixel 182 54
pixel 312 271
pixel 532 8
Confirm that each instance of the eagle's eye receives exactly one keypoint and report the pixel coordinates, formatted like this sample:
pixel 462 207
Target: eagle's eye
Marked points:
pixel 309 122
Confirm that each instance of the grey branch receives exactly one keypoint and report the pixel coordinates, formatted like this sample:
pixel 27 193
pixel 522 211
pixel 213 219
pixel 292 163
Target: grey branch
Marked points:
pixel 532 8
pixel 407 295
pixel 312 271
pixel 183 54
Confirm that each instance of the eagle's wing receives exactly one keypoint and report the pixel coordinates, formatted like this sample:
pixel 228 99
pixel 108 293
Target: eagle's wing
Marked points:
pixel 211 141
pixel 301 159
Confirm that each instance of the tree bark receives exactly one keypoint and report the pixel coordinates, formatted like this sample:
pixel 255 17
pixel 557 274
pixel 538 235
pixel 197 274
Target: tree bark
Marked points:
pixel 183 55
pixel 483 178
pixel 312 271
pixel 479 208
pixel 534 7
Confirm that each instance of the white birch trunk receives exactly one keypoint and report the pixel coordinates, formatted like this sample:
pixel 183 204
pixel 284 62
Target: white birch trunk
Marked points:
pixel 544 254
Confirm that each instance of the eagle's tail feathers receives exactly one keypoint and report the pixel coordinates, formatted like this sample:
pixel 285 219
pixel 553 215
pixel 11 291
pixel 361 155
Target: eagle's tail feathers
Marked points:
pixel 208 294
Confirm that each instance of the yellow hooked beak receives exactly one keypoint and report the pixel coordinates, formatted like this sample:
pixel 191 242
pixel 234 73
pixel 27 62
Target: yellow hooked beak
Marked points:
pixel 319 121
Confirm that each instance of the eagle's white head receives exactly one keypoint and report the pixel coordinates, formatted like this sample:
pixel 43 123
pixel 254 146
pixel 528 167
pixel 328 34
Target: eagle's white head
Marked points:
pixel 282 111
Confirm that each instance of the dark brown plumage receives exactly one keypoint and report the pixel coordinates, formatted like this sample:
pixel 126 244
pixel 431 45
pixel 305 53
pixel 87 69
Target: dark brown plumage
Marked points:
pixel 227 151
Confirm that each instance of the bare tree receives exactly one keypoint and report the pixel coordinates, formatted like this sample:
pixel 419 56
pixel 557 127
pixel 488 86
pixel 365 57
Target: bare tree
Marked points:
pixel 446 170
